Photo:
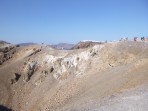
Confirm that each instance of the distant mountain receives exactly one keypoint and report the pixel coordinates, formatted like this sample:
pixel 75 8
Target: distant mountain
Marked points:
pixel 86 44
pixel 62 46
pixel 26 44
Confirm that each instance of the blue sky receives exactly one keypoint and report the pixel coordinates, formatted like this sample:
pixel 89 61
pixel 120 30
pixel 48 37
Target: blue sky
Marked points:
pixel 54 21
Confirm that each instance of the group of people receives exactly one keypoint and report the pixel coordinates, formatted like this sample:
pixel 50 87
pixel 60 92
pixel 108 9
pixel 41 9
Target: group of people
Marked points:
pixel 142 39
pixel 135 39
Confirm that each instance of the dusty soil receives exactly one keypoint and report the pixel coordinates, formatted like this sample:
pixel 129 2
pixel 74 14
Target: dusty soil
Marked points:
pixel 104 77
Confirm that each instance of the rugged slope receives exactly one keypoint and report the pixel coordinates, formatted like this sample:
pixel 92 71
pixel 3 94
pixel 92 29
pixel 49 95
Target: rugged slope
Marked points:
pixel 42 79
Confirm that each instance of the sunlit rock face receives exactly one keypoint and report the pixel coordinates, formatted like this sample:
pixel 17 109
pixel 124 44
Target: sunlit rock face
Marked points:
pixel 40 78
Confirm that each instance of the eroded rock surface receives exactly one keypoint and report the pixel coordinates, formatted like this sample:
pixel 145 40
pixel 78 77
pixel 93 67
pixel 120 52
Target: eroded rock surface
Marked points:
pixel 45 79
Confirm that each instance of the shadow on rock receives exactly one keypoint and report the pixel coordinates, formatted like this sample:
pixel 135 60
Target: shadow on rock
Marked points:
pixel 3 108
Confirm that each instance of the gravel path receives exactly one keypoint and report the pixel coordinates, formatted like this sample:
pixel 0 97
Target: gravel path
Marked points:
pixel 131 100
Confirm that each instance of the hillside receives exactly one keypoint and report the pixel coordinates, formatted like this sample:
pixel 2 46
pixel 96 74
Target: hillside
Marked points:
pixel 103 77
pixel 26 44
pixel 85 44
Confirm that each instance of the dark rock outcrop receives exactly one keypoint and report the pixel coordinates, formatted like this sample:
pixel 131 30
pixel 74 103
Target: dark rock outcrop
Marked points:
pixel 6 53
pixel 17 77
pixel 3 108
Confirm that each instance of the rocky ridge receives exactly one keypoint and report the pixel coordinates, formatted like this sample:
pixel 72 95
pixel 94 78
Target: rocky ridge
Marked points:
pixel 49 79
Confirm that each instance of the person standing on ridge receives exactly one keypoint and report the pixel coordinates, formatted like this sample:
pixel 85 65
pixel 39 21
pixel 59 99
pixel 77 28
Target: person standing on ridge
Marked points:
pixel 135 39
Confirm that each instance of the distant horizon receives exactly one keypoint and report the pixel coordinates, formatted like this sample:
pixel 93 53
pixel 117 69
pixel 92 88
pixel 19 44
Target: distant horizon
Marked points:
pixel 129 39
pixel 70 21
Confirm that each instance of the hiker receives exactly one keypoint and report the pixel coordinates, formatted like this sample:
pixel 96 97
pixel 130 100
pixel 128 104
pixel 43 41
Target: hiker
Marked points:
pixel 146 39
pixel 135 39
pixel 126 38
pixel 121 39
pixel 142 38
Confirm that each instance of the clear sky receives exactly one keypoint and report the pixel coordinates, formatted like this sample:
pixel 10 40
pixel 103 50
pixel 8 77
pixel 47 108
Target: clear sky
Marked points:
pixel 54 21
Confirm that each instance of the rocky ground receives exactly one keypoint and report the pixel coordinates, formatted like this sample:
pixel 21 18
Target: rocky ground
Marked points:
pixel 103 77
